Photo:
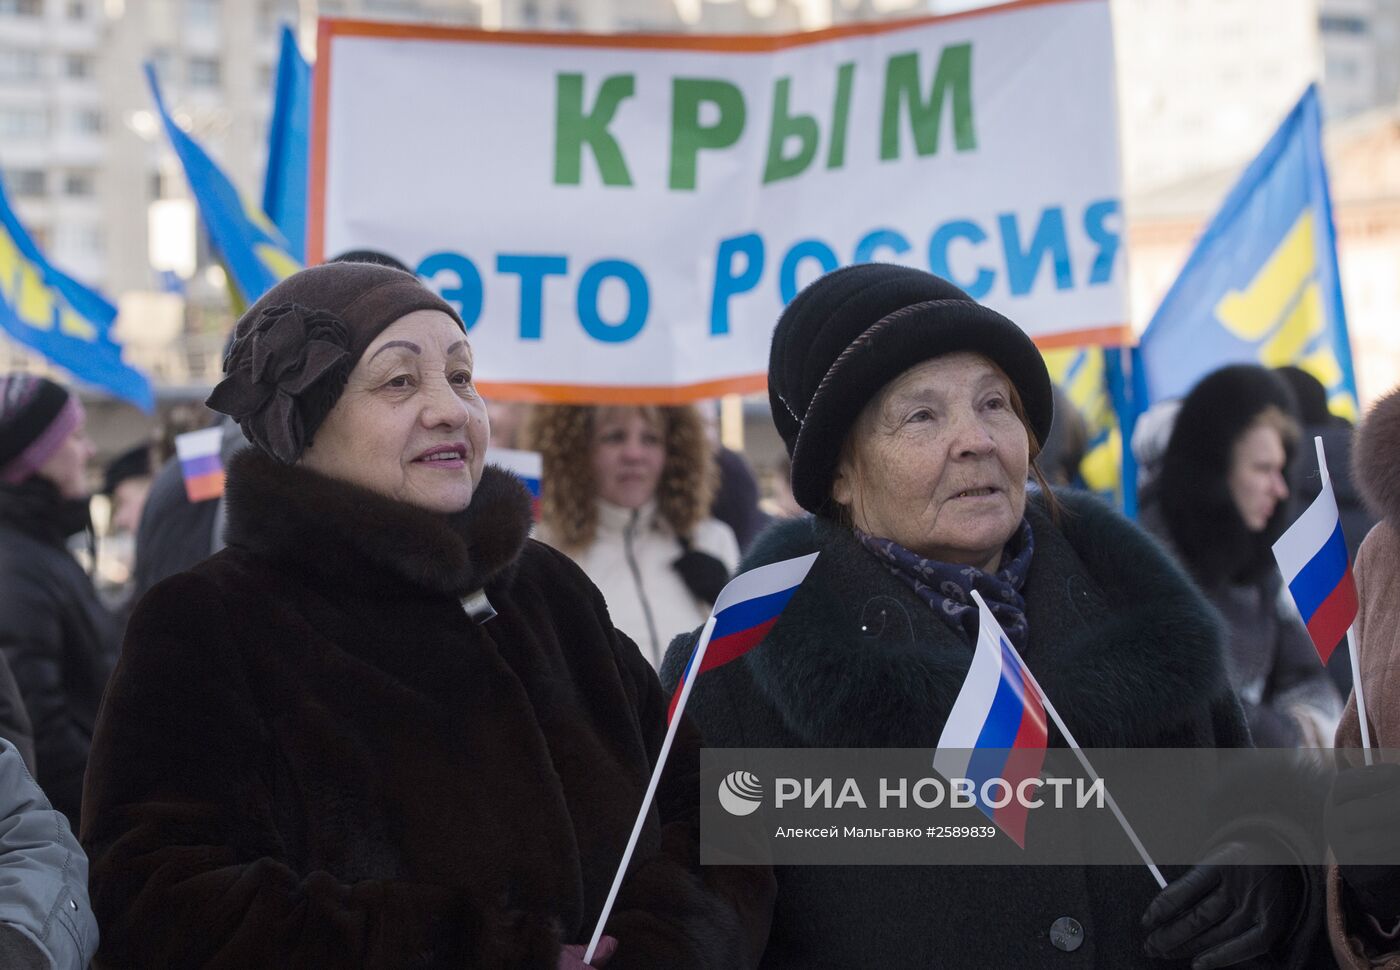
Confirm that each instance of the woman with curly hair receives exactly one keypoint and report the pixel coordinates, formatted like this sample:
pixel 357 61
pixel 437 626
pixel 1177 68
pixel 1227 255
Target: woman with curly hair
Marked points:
pixel 625 494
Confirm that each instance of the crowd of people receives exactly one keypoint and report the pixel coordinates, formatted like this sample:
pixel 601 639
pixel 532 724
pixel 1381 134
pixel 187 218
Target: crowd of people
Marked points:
pixel 364 711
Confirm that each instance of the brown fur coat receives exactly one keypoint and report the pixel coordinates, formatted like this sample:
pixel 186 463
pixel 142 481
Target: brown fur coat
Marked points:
pixel 310 756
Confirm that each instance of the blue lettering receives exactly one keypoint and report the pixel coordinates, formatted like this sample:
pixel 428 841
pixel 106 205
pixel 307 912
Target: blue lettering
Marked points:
pixel 466 296
pixel 880 239
pixel 532 271
pixel 638 301
pixel 727 282
pixel 804 249
pixel 1023 265
pixel 938 245
pixel 1108 240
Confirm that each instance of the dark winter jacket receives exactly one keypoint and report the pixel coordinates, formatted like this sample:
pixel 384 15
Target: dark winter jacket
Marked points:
pixel 311 756
pixel 1118 638
pixel 176 533
pixel 57 637
pixel 15 726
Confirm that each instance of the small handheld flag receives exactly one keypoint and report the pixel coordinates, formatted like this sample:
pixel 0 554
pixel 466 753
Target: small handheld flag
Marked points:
pixel 990 629
pixel 528 466
pixel 201 463
pixel 744 612
pixel 749 605
pixel 996 728
pixel 1312 556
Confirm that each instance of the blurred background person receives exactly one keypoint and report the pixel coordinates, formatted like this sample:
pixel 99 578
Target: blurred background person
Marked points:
pixel 59 640
pixel 1364 900
pixel 736 501
pixel 626 493
pixel 1219 501
pixel 1066 444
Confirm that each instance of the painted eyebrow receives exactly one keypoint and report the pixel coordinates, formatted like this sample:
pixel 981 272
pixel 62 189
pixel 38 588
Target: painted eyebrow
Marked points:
pixel 397 343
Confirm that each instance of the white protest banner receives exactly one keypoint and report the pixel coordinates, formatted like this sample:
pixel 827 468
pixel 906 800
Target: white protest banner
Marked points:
pixel 622 218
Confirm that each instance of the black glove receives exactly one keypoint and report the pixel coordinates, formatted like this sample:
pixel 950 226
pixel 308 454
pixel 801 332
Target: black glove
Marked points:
pixel 1363 821
pixel 1222 912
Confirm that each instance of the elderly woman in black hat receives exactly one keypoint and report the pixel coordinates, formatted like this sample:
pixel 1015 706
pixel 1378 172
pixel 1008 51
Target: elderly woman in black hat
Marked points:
pixel 382 728
pixel 914 416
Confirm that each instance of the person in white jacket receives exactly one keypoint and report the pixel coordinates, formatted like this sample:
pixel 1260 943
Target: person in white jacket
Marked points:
pixel 45 920
pixel 626 493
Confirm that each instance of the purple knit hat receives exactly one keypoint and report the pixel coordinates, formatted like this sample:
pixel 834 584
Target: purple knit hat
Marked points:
pixel 36 416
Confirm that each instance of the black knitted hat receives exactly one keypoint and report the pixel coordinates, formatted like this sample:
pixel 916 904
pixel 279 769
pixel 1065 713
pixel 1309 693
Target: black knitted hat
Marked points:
pixel 853 331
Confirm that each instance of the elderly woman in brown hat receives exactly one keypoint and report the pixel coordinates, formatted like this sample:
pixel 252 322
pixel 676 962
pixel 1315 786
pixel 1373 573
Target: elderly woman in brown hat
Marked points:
pixel 914 416
pixel 383 729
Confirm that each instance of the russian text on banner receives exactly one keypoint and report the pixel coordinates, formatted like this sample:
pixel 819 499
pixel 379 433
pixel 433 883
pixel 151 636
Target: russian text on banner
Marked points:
pixel 624 218
pixel 252 249
pixel 996 728
pixel 59 318
pixel 1262 284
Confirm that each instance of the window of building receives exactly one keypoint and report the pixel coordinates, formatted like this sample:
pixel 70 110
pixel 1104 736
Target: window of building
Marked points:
pixel 1336 24
pixel 79 237
pixel 202 14
pixel 78 66
pixel 79 184
pixel 26 182
pixel 77 10
pixel 23 123
pixel 22 8
pixel 18 64
pixel 88 121
pixel 203 72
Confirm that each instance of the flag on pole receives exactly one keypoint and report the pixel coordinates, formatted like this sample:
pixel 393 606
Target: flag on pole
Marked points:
pixel 252 250
pixel 56 316
pixel 996 728
pixel 1312 555
pixel 201 463
pixel 744 612
pixel 528 466
pixel 288 146
pixel 1262 285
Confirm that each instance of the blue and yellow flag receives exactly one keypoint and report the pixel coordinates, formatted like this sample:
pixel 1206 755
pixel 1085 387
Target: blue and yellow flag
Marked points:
pixel 253 251
pixel 1082 373
pixel 58 317
pixel 1262 284
pixel 289 146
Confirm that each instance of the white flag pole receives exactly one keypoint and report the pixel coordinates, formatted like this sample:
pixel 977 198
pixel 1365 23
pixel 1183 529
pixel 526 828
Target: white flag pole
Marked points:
pixel 694 670
pixel 1351 633
pixel 1064 729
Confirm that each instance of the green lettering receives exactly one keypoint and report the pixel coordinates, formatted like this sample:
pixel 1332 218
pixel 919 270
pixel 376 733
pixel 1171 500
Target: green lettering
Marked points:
pixel 574 127
pixel 836 150
pixel 688 137
pixel 951 81
pixel 802 127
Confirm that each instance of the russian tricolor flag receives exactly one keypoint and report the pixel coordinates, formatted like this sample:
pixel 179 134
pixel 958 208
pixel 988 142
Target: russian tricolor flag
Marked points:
pixel 744 612
pixel 527 466
pixel 1312 555
pixel 201 463
pixel 996 728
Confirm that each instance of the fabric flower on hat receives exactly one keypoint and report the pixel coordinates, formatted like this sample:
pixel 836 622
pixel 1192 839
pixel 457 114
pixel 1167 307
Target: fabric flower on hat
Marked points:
pixel 285 373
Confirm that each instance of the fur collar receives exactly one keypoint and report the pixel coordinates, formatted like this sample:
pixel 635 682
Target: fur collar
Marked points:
pixel 1376 458
pixel 356 538
pixel 1118 638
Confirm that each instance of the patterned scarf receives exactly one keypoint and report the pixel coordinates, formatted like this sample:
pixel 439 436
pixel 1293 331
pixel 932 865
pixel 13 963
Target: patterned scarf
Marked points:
pixel 948 587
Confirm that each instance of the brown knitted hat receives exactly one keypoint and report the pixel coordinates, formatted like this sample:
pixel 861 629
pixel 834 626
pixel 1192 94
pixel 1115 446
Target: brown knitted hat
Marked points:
pixel 293 350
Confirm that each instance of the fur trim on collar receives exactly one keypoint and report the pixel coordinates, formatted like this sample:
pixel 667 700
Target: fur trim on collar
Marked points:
pixel 1118 637
pixel 343 531
pixel 1376 458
